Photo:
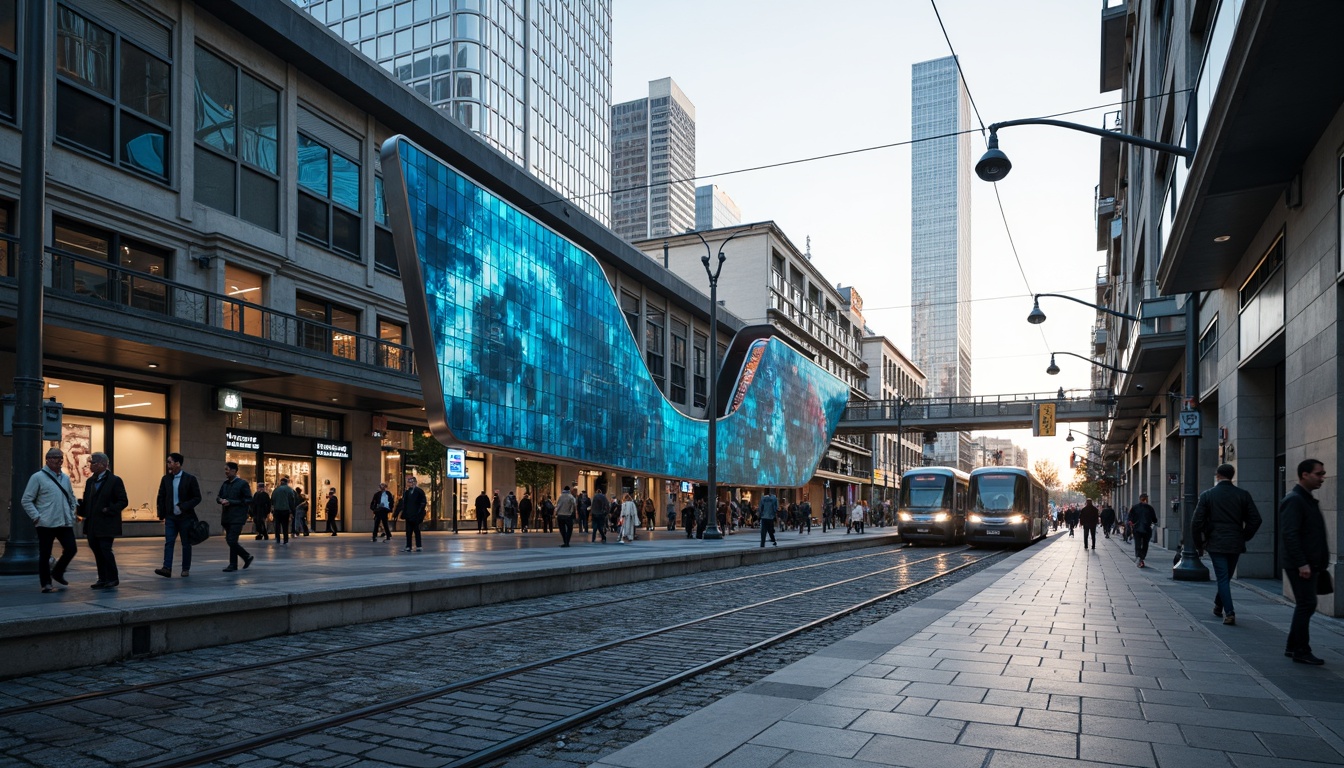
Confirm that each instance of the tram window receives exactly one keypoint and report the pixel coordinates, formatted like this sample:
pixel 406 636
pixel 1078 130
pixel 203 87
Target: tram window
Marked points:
pixel 925 490
pixel 996 491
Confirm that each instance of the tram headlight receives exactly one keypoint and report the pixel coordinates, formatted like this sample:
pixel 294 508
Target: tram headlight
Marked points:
pixel 904 516
pixel 976 519
pixel 941 517
pixel 1015 519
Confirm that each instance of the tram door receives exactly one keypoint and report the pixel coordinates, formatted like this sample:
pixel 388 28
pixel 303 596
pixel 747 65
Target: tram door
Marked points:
pixel 299 470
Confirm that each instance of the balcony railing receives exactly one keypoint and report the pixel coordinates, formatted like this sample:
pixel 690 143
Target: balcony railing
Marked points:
pixel 151 296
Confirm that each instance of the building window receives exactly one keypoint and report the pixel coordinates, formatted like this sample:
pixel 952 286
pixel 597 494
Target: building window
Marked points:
pixel 384 249
pixel 112 96
pixel 9 60
pixel 701 371
pixel 257 420
pixel 328 197
pixel 244 287
pixel 136 278
pixel 328 328
pixel 311 425
pixel 654 320
pixel 237 126
pixel 1208 340
pixel 1268 265
pixel 678 361
pixel 391 341
pixel 8 243
pixel 630 308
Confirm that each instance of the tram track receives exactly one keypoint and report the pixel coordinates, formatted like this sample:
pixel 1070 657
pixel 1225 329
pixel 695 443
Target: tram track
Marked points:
pixel 327 653
pixel 537 698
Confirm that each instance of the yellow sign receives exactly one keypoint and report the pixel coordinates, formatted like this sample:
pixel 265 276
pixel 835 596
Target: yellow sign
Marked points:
pixel 1045 420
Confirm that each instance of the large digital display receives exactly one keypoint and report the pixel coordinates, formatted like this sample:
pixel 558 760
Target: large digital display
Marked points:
pixel 522 347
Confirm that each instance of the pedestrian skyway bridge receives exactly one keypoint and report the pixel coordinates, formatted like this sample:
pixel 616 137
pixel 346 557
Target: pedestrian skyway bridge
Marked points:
pixel 965 414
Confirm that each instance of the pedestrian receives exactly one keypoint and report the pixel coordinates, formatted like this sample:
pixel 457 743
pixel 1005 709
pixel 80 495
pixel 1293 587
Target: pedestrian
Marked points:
pixel 1089 517
pixel 381 505
pixel 856 515
pixel 650 513
pixel 629 519
pixel 601 507
pixel 283 501
pixel 565 508
pixel 827 515
pixel 547 510
pixel 104 499
pixel 497 512
pixel 791 516
pixel 1225 519
pixel 1070 518
pixel 1107 519
pixel 701 518
pixel 411 508
pixel 179 495
pixel 235 501
pixel 1304 556
pixel 768 509
pixel 688 519
pixel 49 499
pixel 1142 520
pixel 805 516
pixel 525 510
pixel 585 507
pixel 260 510
pixel 301 526
pixel 333 512
pixel 482 513
pixel 510 512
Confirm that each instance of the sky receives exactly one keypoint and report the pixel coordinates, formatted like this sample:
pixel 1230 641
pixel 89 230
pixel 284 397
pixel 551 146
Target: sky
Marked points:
pixel 780 80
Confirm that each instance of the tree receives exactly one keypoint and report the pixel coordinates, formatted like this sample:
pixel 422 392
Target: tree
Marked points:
pixel 533 474
pixel 1047 472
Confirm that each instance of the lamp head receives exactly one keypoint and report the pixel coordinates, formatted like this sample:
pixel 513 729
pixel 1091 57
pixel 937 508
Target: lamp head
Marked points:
pixel 1053 369
pixel 993 165
pixel 1069 439
pixel 1037 316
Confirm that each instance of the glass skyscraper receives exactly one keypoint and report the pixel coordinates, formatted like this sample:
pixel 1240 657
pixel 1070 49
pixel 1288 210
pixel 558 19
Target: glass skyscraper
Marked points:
pixel 653 164
pixel 940 241
pixel 531 77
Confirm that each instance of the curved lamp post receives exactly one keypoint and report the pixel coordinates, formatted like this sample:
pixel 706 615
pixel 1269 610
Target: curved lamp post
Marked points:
pixel 712 407
pixel 1036 316
pixel 1054 369
pixel 994 164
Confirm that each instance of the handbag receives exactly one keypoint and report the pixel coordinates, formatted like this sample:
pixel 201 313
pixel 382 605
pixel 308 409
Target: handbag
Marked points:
pixel 198 532
pixel 1324 584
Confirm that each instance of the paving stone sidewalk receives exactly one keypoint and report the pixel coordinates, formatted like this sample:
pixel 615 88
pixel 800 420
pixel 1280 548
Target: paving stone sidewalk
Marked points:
pixel 1058 656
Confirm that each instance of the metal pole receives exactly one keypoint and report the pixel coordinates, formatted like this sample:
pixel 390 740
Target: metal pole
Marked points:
pixel 20 555
pixel 1190 568
pixel 712 492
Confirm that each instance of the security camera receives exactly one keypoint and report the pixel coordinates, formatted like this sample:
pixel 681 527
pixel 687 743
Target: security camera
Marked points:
pixel 1139 387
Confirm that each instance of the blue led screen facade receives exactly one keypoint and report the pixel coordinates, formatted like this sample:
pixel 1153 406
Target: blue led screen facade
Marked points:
pixel 531 353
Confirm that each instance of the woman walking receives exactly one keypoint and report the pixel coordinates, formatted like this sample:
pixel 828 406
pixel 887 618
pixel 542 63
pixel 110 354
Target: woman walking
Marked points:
pixel 629 516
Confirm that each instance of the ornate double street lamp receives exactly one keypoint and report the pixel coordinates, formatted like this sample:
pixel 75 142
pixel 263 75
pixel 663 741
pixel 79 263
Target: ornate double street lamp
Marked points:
pixel 994 166
pixel 712 407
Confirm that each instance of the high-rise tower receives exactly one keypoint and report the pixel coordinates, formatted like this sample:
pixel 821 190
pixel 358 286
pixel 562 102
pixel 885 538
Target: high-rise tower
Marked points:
pixel 940 240
pixel 532 77
pixel 653 163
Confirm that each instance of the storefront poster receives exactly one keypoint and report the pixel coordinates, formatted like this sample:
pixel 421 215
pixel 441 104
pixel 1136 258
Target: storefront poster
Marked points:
pixel 77 444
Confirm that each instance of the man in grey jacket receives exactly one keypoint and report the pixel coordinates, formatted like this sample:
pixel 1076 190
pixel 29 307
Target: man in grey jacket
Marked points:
pixel 769 510
pixel 1225 519
pixel 49 500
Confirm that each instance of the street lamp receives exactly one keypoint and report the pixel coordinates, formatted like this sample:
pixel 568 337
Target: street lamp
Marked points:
pixel 1053 369
pixel 994 164
pixel 712 492
pixel 1036 316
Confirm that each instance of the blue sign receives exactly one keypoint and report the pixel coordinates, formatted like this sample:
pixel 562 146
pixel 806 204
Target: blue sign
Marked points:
pixel 457 464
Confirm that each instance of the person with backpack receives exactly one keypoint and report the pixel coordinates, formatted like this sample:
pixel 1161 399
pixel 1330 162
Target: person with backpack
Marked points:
pixel 1142 521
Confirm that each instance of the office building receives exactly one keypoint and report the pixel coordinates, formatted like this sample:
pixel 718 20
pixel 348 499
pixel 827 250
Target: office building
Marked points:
pixel 940 241
pixel 714 209
pixel 891 377
pixel 1231 260
pixel 653 163
pixel 999 452
pixel 531 77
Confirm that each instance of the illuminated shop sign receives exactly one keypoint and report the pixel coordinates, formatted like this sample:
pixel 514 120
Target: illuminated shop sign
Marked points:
pixel 331 449
pixel 239 440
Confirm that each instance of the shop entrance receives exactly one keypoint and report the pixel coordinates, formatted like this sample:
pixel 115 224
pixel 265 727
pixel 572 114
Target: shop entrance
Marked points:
pixel 299 470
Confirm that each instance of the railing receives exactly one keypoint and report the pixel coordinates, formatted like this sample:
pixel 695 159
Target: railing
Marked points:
pixel 912 411
pixel 1164 314
pixel 151 296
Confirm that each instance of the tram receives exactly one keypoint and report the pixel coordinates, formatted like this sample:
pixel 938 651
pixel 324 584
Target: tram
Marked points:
pixel 932 505
pixel 1008 505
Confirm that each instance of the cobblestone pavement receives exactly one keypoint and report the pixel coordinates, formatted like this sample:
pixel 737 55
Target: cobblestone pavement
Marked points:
pixel 141 726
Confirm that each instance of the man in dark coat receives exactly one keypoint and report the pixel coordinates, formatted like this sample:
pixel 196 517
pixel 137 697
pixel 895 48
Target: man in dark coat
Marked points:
pixel 525 511
pixel 411 508
pixel 600 509
pixel 1142 521
pixel 1089 517
pixel 381 506
pixel 333 512
pixel 1304 553
pixel 1107 519
pixel 584 506
pixel 482 513
pixel 235 501
pixel 261 509
pixel 179 495
pixel 104 499
pixel 1225 519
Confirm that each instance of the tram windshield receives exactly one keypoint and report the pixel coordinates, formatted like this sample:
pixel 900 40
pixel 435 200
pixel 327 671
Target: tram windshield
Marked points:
pixel 996 493
pixel 925 491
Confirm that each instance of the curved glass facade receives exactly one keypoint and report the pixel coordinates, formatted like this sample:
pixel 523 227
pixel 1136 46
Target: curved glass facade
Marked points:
pixel 532 354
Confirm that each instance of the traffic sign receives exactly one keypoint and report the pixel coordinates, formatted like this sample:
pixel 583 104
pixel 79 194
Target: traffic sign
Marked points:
pixel 1190 424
